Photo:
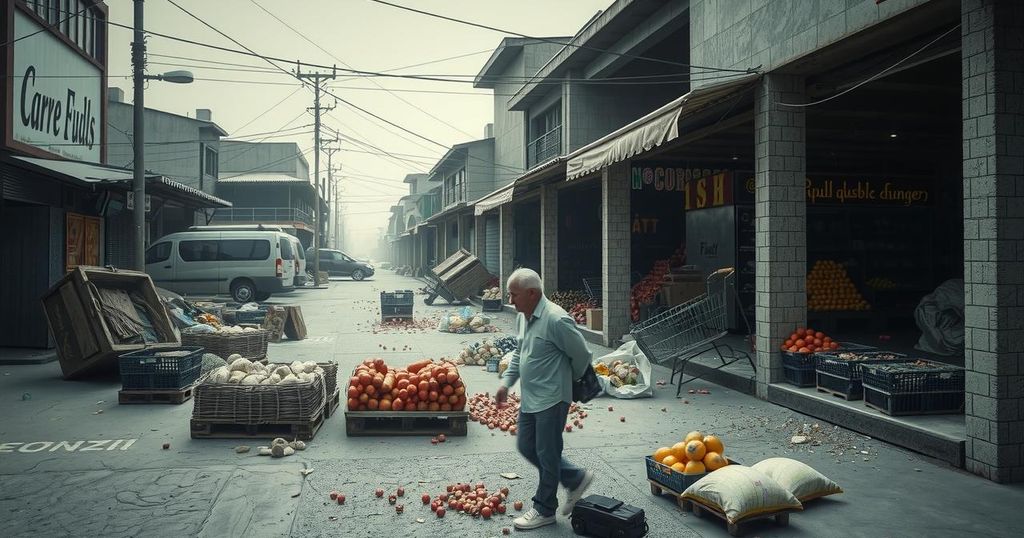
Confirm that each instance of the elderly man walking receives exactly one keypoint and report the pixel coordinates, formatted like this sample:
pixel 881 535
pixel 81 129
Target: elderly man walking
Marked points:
pixel 551 354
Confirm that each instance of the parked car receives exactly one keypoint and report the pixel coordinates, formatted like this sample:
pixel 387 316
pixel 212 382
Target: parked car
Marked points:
pixel 248 265
pixel 300 258
pixel 337 263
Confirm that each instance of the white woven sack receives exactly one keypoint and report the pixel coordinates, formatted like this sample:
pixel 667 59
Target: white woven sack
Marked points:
pixel 740 492
pixel 800 479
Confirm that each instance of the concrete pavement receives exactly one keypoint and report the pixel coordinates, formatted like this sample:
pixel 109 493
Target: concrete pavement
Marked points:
pixel 74 463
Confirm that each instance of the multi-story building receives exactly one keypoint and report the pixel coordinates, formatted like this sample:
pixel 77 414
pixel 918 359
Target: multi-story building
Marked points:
pixel 186 149
pixel 268 183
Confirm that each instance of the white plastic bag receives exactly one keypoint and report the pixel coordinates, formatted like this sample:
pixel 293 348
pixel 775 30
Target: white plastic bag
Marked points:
pixel 629 353
pixel 940 316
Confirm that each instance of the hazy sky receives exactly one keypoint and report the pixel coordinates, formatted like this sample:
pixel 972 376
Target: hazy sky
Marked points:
pixel 360 33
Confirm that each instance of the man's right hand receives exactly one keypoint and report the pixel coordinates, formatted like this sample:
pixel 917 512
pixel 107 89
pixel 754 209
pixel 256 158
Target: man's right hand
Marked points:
pixel 501 395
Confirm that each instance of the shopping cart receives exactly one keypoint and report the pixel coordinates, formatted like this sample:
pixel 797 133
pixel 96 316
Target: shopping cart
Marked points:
pixel 592 285
pixel 684 332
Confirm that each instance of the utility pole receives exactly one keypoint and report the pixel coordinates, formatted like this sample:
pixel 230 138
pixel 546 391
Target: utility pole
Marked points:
pixel 318 81
pixel 330 150
pixel 138 139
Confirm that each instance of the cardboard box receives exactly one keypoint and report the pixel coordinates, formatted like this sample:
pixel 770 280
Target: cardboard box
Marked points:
pixel 595 319
pixel 677 293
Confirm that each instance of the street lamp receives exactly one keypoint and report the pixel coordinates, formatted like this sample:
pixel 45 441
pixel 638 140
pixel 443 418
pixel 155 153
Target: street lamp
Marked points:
pixel 138 131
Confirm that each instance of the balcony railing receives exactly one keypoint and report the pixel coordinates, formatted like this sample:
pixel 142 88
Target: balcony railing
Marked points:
pixel 262 215
pixel 545 147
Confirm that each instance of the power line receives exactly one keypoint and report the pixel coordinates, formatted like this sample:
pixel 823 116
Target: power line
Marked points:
pixel 873 77
pixel 556 42
pixel 317 45
pixel 49 27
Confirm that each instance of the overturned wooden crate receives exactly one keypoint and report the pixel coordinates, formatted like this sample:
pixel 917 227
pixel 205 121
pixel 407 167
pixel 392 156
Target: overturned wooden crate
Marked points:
pixel 95 314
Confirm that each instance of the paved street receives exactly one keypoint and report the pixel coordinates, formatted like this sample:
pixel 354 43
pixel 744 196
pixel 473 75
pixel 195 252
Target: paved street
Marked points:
pixel 74 463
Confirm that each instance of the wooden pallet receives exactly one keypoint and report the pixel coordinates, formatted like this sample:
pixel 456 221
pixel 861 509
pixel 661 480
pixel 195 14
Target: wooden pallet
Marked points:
pixel 226 429
pixel 659 489
pixel 736 529
pixel 155 396
pixel 393 423
pixel 838 394
pixel 332 404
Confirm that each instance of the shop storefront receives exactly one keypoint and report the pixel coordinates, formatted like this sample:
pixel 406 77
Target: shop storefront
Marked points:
pixel 55 108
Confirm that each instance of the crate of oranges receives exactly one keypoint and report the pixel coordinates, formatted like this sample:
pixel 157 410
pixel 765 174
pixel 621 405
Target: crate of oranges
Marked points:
pixel 682 464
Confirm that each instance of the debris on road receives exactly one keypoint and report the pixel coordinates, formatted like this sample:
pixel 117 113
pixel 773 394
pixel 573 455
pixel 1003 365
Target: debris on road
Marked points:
pixel 241 449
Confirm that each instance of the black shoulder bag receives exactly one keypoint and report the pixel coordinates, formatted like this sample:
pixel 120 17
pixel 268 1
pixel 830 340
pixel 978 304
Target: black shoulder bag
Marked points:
pixel 587 387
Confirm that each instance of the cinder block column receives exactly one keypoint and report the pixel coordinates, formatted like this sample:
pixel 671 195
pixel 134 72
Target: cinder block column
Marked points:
pixel 481 237
pixel 507 246
pixel 549 237
pixel 460 224
pixel 993 151
pixel 615 251
pixel 781 220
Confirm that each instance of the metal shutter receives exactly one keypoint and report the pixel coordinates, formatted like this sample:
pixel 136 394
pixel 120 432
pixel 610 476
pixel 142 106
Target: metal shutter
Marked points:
pixel 119 239
pixel 492 246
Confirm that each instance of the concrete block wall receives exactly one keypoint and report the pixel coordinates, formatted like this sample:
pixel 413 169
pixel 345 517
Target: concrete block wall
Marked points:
pixel 615 251
pixel 549 237
pixel 507 248
pixel 780 213
pixel 993 167
pixel 742 34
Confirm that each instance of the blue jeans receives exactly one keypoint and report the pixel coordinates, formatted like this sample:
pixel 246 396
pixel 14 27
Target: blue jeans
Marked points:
pixel 539 440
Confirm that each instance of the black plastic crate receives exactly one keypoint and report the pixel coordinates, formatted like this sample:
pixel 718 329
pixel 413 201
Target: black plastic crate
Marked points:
pixel 923 403
pixel 830 363
pixel 798 360
pixel 673 480
pixel 166 368
pixel 801 376
pixel 396 304
pixel 250 316
pixel 492 305
pixel 850 389
pixel 936 377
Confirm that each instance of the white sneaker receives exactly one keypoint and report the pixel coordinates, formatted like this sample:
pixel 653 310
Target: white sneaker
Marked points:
pixel 532 520
pixel 577 494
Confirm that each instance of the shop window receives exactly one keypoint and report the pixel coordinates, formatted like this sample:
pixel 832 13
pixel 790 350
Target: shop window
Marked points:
pixel 158 253
pixel 242 249
pixel 198 251
pixel 210 161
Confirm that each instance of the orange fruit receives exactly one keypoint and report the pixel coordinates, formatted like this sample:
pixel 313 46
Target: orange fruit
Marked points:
pixel 695 467
pixel 679 451
pixel 670 460
pixel 693 436
pixel 713 461
pixel 713 444
pixel 679 467
pixel 661 453
pixel 695 450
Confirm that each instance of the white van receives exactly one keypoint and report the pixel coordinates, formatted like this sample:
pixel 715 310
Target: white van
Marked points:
pixel 248 265
pixel 300 251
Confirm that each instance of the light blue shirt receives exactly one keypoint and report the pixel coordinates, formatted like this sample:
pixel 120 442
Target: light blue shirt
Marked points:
pixel 550 354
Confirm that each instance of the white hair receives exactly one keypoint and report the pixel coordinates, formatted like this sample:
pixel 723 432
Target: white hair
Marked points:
pixel 526 279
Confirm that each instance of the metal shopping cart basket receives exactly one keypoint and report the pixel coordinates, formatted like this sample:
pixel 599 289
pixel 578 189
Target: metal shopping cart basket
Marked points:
pixel 686 331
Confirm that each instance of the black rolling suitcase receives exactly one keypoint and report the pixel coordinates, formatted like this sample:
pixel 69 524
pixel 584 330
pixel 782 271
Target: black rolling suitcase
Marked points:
pixel 597 515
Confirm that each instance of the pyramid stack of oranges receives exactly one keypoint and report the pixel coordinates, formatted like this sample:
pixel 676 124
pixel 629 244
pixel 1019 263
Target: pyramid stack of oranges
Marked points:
pixel 696 454
pixel 829 288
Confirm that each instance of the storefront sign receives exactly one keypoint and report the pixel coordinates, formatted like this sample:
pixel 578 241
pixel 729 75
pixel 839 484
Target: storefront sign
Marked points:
pixel 57 95
pixel 664 178
pixel 908 193
pixel 713 190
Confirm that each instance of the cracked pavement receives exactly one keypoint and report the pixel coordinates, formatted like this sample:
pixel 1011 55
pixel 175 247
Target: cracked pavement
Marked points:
pixel 60 480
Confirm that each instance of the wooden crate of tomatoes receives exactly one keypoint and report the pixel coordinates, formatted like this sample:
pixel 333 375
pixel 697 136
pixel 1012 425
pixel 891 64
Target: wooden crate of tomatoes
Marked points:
pixel 422 398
